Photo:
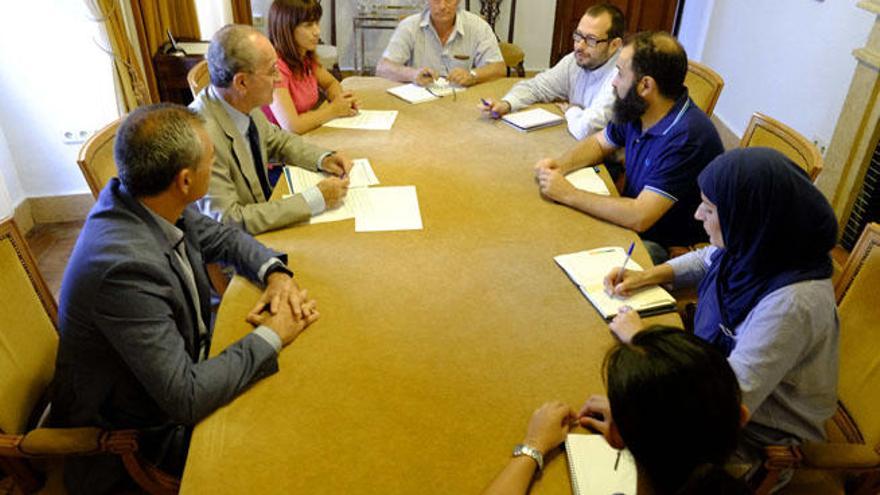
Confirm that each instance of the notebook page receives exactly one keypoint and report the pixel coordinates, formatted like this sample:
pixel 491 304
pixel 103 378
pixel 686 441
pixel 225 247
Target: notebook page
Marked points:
pixel 591 462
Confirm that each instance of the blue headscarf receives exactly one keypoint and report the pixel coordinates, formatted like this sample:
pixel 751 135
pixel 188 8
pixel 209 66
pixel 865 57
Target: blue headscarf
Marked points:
pixel 777 228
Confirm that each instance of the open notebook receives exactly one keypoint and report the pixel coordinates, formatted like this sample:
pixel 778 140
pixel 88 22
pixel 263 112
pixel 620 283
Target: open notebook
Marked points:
pixel 596 468
pixel 530 120
pixel 587 179
pixel 587 269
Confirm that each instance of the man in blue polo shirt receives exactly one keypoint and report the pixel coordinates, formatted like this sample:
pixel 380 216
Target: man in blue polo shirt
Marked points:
pixel 668 141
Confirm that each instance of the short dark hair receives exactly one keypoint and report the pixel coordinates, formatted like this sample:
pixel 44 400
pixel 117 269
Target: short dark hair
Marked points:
pixel 284 17
pixel 230 52
pixel 153 144
pixel 660 56
pixel 667 387
pixel 617 28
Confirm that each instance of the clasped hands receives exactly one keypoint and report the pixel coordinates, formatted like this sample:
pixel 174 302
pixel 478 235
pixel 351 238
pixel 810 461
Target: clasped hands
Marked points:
pixel 426 76
pixel 284 308
pixel 551 181
pixel 551 422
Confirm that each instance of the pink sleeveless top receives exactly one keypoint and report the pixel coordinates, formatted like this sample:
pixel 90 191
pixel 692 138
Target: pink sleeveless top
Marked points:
pixel 303 88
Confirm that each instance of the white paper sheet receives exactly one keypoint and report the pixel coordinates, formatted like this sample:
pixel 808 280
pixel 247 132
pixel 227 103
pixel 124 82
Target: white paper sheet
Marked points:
pixel 388 208
pixel 414 93
pixel 536 118
pixel 360 175
pixel 587 179
pixel 372 120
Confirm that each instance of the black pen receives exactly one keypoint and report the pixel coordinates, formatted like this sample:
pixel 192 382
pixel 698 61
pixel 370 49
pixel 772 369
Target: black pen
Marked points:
pixel 617 461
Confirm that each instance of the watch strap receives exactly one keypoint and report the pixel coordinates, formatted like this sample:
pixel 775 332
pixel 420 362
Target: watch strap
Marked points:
pixel 528 450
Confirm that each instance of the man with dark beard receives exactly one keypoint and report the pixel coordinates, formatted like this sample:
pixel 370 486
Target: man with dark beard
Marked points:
pixel 582 78
pixel 668 141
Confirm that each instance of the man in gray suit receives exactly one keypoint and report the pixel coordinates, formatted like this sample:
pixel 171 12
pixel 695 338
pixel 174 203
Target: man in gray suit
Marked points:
pixel 134 311
pixel 241 63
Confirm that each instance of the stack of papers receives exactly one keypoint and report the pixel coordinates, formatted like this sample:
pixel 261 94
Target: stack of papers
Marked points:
pixel 587 179
pixel 587 269
pixel 374 209
pixel 530 120
pixel 372 120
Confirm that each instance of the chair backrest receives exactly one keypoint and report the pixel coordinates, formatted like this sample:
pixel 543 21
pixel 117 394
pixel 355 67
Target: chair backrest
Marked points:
pixel 28 337
pixel 96 158
pixel 769 132
pixel 859 381
pixel 704 86
pixel 198 77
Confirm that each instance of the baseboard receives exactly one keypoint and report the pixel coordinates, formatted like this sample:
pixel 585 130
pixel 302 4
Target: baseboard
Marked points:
pixel 67 208
pixel 23 217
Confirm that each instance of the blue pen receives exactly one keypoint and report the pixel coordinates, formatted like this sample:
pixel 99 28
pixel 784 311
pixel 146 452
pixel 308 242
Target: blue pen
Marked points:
pixel 487 105
pixel 623 266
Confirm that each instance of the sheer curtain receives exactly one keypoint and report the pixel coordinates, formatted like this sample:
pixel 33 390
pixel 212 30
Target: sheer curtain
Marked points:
pixel 212 16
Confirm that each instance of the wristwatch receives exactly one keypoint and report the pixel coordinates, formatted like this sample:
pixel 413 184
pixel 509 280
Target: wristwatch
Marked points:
pixel 473 74
pixel 523 449
pixel 274 268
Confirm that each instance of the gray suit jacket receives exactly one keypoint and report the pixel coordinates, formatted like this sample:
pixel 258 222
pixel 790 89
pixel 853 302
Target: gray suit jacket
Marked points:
pixel 234 195
pixel 128 354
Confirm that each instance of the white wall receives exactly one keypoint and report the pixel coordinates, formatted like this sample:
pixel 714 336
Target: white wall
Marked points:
pixel 533 30
pixel 790 59
pixel 694 26
pixel 53 78
pixel 11 193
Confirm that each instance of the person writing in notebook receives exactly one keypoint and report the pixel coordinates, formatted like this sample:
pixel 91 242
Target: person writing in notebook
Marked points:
pixel 582 78
pixel 442 41
pixel 765 294
pixel 665 388
pixel 241 63
pixel 307 95
pixel 668 141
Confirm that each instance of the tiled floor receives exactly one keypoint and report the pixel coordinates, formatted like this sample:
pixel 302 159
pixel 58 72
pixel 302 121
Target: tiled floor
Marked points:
pixel 51 245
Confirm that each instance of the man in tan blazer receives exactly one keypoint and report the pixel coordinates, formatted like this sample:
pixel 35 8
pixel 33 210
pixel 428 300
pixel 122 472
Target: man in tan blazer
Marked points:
pixel 241 63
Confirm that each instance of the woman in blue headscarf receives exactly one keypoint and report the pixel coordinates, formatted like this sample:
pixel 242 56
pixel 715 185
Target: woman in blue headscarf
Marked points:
pixel 765 293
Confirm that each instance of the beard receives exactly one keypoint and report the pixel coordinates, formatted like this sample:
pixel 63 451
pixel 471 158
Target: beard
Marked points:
pixel 629 108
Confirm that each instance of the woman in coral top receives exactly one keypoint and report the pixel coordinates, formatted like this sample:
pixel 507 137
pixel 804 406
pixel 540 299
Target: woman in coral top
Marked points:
pixel 307 95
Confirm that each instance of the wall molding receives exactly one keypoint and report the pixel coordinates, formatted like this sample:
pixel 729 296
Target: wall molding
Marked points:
pixel 52 209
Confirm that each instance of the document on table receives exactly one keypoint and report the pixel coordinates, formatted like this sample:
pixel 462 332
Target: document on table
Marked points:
pixel 360 175
pixel 413 93
pixel 587 179
pixel 371 120
pixel 387 208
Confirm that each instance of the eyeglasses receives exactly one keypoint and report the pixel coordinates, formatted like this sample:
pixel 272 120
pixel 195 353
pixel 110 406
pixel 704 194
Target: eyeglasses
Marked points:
pixel 590 40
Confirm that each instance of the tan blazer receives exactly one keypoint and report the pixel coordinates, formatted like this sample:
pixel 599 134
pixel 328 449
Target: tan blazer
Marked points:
pixel 234 195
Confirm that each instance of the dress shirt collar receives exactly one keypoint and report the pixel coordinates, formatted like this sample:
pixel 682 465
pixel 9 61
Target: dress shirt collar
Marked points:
pixel 241 120
pixel 173 233
pixel 425 23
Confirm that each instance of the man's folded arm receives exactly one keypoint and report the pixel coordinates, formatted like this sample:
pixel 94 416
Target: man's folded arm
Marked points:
pixel 145 334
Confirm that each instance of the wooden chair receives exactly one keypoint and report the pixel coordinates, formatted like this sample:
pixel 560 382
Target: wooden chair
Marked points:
pixel 514 56
pixel 704 86
pixel 96 158
pixel 198 77
pixel 27 365
pixel 769 132
pixel 852 454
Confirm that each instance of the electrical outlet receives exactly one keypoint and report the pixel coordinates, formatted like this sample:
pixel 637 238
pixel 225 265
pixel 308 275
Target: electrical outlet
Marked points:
pixel 77 136
pixel 821 144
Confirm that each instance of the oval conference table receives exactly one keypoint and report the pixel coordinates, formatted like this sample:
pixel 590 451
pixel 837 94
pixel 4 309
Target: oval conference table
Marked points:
pixel 434 346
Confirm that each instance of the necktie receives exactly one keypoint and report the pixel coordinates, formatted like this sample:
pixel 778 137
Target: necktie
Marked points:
pixel 254 140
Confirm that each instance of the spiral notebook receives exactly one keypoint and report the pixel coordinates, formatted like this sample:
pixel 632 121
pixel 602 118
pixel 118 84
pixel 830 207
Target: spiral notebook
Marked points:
pixel 597 468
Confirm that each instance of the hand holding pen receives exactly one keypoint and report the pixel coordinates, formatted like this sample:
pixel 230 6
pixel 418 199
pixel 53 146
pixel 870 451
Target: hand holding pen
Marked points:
pixel 494 109
pixel 425 76
pixel 618 282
